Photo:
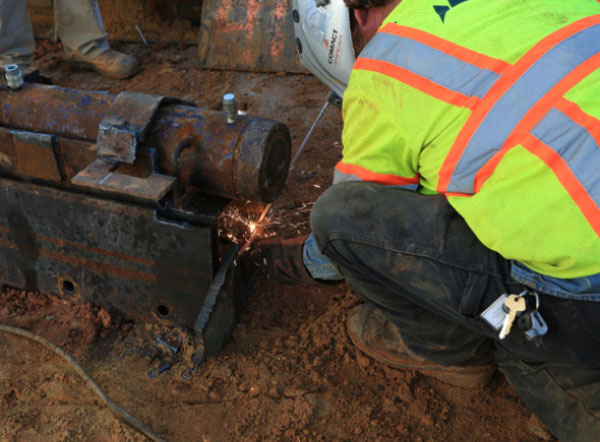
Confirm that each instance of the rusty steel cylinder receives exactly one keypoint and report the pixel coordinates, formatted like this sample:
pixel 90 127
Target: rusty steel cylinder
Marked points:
pixel 245 159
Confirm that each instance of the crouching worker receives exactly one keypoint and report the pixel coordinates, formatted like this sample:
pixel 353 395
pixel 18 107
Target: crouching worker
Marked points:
pixel 468 188
pixel 79 26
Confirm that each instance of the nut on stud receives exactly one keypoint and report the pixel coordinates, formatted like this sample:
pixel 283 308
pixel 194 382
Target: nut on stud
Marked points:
pixel 14 76
pixel 230 107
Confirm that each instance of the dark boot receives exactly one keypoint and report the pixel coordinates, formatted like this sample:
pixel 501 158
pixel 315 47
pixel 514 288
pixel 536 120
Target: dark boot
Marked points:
pixel 374 334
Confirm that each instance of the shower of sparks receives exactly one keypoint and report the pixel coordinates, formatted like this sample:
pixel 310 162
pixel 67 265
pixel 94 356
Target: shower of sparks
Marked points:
pixel 258 228
pixel 240 224
pixel 245 223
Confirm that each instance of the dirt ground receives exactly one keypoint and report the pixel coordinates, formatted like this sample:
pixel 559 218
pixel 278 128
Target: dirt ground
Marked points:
pixel 290 373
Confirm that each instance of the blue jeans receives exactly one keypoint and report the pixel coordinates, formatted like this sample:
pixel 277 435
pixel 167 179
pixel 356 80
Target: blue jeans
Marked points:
pixel 415 258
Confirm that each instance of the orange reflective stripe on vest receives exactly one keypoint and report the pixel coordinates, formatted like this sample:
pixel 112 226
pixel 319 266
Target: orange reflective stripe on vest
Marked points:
pixel 517 101
pixel 353 172
pixel 435 66
pixel 519 104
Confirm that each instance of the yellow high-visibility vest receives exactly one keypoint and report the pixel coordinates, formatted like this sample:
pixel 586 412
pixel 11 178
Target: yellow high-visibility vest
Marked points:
pixel 496 105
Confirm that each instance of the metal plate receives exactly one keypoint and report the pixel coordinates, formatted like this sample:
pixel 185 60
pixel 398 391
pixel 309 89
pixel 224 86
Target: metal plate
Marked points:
pixel 248 35
pixel 113 254
pixel 101 175
pixel 29 154
pixel 126 124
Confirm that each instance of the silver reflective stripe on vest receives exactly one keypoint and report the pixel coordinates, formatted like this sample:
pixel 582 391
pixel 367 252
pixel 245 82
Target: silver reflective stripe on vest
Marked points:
pixel 427 62
pixel 573 143
pixel 341 177
pixel 510 109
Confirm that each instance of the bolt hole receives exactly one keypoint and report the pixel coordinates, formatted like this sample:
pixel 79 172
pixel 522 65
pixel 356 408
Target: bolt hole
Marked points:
pixel 162 311
pixel 68 287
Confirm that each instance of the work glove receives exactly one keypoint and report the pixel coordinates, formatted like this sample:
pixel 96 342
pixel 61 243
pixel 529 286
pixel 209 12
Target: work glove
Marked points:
pixel 277 259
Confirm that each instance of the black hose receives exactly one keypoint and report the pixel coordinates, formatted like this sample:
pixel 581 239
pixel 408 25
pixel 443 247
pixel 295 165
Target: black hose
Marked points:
pixel 131 420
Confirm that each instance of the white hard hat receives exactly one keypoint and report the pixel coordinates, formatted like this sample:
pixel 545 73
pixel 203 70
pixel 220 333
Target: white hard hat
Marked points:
pixel 324 40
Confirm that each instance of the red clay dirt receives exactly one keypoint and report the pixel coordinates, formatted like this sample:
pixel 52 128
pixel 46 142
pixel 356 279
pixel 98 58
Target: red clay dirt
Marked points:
pixel 290 373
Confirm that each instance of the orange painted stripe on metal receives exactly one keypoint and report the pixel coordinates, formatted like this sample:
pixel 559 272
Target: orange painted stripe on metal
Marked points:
pixel 4 244
pixel 464 54
pixel 566 177
pixel 368 175
pixel 535 114
pixel 103 252
pixel 500 88
pixel 575 113
pixel 416 81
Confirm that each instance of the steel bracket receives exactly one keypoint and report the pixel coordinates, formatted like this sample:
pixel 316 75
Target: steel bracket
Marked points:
pixel 30 155
pixel 103 175
pixel 126 125
pixel 119 136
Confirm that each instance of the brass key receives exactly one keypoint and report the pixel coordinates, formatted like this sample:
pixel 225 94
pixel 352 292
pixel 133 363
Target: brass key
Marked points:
pixel 514 304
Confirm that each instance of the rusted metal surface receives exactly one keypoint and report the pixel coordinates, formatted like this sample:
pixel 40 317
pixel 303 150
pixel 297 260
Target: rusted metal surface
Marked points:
pixel 116 255
pixel 248 35
pixel 103 175
pixel 128 224
pixel 220 309
pixel 126 125
pixel 247 159
pixel 257 160
pixel 18 147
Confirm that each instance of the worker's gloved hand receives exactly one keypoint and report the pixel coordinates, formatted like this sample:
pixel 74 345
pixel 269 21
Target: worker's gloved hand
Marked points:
pixel 277 259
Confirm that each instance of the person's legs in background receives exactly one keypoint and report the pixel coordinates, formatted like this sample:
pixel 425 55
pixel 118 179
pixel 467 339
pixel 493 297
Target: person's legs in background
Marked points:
pixel 16 34
pixel 79 26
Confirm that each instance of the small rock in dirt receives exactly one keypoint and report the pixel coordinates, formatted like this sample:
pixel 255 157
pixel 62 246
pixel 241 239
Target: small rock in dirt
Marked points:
pixel 363 361
pixel 273 393
pixel 104 318
pixel 291 392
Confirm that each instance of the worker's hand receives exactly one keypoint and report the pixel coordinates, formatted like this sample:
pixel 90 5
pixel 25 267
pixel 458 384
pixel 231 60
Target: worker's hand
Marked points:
pixel 277 259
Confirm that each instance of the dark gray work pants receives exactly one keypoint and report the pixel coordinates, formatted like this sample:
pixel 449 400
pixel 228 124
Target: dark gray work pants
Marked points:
pixel 416 259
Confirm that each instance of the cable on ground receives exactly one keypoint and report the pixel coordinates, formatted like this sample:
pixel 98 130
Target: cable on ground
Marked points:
pixel 120 412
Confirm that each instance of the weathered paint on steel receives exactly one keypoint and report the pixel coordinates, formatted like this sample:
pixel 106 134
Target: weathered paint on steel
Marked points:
pixel 248 35
pixel 115 255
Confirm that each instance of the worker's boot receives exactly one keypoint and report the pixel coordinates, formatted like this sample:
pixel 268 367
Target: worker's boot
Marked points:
pixel 110 64
pixel 374 334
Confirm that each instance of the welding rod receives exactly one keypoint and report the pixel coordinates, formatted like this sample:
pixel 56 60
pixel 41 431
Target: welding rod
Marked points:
pixel 309 133
pixel 141 34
